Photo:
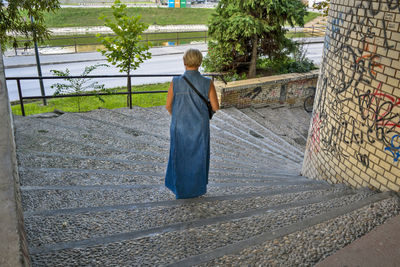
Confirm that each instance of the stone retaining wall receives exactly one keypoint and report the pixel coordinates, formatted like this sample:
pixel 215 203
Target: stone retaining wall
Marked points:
pixel 288 88
pixel 13 244
pixel 354 136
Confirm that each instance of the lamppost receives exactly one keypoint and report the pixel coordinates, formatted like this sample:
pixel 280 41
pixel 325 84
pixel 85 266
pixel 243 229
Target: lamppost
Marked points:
pixel 39 68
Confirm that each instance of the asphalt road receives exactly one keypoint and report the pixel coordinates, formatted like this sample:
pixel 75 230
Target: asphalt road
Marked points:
pixel 169 64
pixel 162 64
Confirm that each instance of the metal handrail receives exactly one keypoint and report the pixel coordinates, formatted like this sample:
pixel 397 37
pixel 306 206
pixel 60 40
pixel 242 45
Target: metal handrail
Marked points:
pixel 128 92
pixel 145 36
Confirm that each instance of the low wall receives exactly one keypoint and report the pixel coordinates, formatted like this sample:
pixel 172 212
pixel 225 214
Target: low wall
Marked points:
pixel 289 89
pixel 13 245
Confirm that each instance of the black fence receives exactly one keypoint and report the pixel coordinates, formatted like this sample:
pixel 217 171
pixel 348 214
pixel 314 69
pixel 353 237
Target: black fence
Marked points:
pixel 174 37
pixel 156 37
pixel 129 91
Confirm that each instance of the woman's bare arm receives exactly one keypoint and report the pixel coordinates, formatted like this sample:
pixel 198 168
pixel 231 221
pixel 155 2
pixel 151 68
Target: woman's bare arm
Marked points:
pixel 212 95
pixel 170 98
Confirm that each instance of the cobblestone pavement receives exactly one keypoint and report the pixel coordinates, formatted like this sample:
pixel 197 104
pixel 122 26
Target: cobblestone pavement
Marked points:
pixel 93 193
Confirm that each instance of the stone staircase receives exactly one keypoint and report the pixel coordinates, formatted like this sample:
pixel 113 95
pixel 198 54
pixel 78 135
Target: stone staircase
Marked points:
pixel 93 195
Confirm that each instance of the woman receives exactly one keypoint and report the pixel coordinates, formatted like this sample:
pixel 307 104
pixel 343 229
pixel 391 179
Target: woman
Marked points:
pixel 189 156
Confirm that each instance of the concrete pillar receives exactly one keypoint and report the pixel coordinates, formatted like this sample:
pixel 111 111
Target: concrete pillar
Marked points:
pixel 354 135
pixel 13 245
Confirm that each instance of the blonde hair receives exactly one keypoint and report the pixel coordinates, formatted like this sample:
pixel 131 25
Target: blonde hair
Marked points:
pixel 192 58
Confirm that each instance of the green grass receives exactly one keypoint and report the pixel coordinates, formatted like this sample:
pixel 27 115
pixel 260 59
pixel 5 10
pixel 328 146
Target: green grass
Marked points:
pixel 69 104
pixel 310 16
pixel 77 17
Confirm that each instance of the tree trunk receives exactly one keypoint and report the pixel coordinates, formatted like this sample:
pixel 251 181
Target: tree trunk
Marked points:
pixel 128 85
pixel 253 62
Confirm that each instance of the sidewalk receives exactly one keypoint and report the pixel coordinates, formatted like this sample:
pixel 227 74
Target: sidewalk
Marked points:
pixel 378 248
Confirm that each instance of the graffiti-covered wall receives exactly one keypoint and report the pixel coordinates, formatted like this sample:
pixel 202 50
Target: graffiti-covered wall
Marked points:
pixel 354 135
pixel 290 89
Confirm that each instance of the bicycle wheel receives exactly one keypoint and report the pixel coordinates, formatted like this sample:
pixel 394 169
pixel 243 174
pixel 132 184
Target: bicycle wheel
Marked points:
pixel 308 103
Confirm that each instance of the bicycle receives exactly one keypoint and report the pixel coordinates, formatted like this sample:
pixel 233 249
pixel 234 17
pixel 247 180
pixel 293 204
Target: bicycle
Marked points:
pixel 309 101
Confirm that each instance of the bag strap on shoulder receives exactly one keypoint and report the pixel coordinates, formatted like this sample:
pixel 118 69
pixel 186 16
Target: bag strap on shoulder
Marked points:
pixel 194 89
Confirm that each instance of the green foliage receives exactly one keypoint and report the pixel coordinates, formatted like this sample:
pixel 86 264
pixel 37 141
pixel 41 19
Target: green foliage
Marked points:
pixel 125 50
pixel 322 6
pixel 15 19
pixel 242 31
pixel 79 85
pixel 297 63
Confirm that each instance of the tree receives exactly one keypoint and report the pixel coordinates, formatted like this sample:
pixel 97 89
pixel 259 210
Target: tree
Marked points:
pixel 79 85
pixel 242 31
pixel 126 49
pixel 322 6
pixel 15 20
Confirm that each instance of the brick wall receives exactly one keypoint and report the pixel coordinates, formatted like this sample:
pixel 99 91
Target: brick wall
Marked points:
pixel 354 134
pixel 288 88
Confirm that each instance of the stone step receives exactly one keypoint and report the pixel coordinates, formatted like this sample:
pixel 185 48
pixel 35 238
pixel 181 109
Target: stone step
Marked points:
pixel 59 176
pixel 260 129
pixel 184 241
pixel 48 128
pixel 233 125
pixel 70 147
pixel 60 227
pixel 193 201
pixel 118 120
pixel 304 243
pixel 93 196
pixel 295 135
pixel 45 141
pixel 32 159
pixel 234 116
pixel 225 123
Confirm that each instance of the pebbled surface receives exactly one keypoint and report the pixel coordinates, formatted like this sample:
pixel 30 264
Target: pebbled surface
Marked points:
pixel 93 193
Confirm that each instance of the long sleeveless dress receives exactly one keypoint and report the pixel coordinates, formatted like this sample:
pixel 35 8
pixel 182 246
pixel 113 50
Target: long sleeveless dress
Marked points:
pixel 189 157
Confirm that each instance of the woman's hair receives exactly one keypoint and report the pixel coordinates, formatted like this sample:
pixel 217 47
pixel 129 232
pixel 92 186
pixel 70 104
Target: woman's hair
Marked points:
pixel 192 58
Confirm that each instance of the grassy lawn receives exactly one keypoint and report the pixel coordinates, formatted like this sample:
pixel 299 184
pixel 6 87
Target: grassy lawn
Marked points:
pixel 77 17
pixel 70 104
pixel 310 16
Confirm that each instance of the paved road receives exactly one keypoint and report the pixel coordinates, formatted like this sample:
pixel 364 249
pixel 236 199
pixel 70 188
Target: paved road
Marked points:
pixel 169 64
pixel 162 63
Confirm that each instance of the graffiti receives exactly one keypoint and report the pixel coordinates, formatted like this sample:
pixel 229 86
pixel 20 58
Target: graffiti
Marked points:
pixel 370 57
pixel 313 146
pixel 334 28
pixel 391 103
pixel 350 82
pixel 363 158
pixel 254 93
pixel 392 149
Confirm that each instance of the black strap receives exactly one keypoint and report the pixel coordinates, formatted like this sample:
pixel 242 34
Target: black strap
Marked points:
pixel 197 92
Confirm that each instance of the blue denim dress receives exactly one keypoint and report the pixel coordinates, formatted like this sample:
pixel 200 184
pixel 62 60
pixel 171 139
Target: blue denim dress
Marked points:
pixel 189 156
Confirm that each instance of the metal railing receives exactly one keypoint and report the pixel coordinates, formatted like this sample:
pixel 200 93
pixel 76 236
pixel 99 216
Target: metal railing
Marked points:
pixel 177 37
pixel 129 91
